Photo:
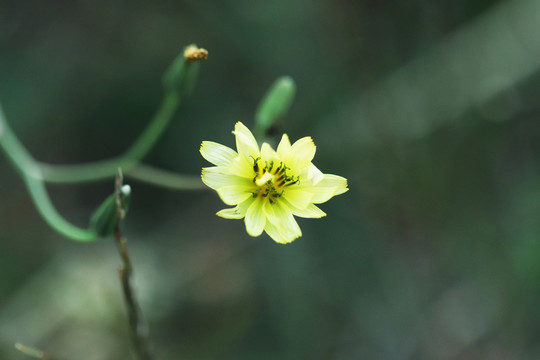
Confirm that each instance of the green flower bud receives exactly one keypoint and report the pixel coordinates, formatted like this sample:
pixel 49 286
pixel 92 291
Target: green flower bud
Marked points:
pixel 275 104
pixel 182 73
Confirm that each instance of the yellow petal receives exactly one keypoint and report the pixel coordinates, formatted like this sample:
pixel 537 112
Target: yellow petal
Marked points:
pixel 314 174
pixel 237 212
pixel 234 194
pixel 323 194
pixel 245 141
pixel 215 178
pixel 273 232
pixel 303 149
pixel 217 154
pixel 232 213
pixel 298 197
pixel 329 186
pixel 269 211
pixel 284 147
pixel 267 153
pixel 285 223
pixel 242 166
pixel 311 211
pixel 255 218
pixel 334 180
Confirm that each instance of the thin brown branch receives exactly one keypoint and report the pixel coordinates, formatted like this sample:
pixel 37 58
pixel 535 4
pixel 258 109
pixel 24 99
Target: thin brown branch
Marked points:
pixel 138 327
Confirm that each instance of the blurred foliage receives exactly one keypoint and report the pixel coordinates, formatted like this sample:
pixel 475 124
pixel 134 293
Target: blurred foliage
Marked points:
pixel 429 108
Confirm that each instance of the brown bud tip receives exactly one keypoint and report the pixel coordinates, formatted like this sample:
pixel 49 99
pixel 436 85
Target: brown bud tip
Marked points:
pixel 194 53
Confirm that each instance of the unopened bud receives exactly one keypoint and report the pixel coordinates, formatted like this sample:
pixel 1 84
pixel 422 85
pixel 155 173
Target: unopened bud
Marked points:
pixel 194 53
pixel 276 103
pixel 182 73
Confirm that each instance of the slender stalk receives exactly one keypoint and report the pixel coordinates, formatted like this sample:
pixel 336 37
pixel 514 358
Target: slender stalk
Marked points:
pixel 34 174
pixel 138 327
pixel 15 151
pixel 31 175
pixel 166 179
pixel 178 82
pixel 145 173
pixel 50 214
pixel 153 131
pixel 101 170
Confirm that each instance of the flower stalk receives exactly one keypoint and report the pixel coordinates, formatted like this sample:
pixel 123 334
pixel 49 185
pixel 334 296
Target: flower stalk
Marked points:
pixel 139 330
pixel 178 83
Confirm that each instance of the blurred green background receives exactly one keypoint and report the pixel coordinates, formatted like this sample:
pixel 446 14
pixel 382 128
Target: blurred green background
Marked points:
pixel 429 108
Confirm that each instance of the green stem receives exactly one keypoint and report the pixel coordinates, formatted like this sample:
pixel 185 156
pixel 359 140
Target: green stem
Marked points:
pixel 52 217
pixel 101 170
pixel 16 152
pixel 178 82
pixel 153 131
pixel 166 179
pixel 129 160
pixel 31 175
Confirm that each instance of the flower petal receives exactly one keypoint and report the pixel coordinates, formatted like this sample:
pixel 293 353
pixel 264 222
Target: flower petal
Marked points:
pixel 330 181
pixel 267 153
pixel 298 197
pixel 311 211
pixel 314 174
pixel 284 147
pixel 335 181
pixel 215 178
pixel 285 223
pixel 273 232
pixel 234 194
pixel 329 186
pixel 255 218
pixel 242 166
pixel 217 154
pixel 322 194
pixel 237 212
pixel 231 213
pixel 245 141
pixel 269 211
pixel 303 149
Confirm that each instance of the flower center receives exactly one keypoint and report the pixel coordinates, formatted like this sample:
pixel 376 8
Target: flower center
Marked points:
pixel 271 180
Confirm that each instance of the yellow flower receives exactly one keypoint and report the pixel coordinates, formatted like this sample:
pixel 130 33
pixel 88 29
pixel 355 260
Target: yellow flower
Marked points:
pixel 267 187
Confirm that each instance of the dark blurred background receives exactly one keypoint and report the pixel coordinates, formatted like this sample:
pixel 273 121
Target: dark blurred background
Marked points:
pixel 429 108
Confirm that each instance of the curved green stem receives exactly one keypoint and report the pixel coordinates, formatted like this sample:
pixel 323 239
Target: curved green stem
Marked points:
pixel 101 170
pixel 51 216
pixel 153 131
pixel 31 175
pixel 178 82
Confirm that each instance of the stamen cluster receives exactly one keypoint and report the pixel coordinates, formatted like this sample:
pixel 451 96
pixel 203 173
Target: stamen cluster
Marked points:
pixel 271 181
